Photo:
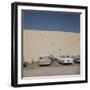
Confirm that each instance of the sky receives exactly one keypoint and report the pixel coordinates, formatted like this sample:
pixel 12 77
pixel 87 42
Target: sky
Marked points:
pixel 51 21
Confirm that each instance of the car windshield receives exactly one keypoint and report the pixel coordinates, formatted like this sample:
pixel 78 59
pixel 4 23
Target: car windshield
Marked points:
pixel 62 56
pixel 67 56
pixel 44 57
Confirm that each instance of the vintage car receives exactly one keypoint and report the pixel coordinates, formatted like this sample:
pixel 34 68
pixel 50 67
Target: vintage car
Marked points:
pixel 77 59
pixel 65 59
pixel 44 61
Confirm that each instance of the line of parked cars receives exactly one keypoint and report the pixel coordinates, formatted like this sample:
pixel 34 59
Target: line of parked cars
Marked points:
pixel 65 59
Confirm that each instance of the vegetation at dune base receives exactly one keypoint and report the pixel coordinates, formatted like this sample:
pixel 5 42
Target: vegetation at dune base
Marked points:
pixel 33 65
pixel 55 63
pixel 25 64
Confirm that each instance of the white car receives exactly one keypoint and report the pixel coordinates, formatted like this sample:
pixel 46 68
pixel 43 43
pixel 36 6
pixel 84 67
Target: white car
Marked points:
pixel 65 59
pixel 45 60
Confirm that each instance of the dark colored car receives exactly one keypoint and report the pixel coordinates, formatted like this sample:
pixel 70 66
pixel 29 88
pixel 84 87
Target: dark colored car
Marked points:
pixel 77 59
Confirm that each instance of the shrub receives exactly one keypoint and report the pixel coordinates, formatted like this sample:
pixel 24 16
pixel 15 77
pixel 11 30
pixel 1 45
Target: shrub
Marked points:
pixel 25 64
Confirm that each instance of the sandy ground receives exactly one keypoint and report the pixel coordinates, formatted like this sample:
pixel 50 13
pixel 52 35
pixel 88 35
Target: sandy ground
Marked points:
pixel 73 69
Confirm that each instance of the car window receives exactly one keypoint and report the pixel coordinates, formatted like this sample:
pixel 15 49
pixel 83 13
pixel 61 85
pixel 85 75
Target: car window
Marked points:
pixel 67 56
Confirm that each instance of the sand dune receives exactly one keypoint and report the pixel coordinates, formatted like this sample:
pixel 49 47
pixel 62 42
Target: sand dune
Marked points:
pixel 37 43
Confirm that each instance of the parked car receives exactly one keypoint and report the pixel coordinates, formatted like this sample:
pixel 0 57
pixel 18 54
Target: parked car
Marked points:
pixel 77 59
pixel 44 61
pixel 66 59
